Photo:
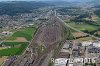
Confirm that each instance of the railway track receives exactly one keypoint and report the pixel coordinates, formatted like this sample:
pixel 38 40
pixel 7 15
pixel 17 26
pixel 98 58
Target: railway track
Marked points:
pixel 47 36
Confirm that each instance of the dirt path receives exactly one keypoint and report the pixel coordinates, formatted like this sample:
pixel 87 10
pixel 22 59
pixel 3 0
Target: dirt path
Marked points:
pixel 18 39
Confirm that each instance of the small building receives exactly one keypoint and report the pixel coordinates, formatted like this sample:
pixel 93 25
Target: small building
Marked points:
pixel 64 55
pixel 6 33
pixel 66 46
pixel 86 43
pixel 97 44
pixel 94 50
pixel 70 64
pixel 61 62
pixel 76 53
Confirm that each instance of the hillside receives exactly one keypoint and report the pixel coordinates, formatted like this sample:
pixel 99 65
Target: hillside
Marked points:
pixel 14 7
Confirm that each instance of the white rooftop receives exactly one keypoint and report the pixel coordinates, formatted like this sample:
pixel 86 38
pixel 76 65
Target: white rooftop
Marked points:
pixel 86 43
pixel 60 62
pixel 70 65
pixel 96 44
pixel 66 46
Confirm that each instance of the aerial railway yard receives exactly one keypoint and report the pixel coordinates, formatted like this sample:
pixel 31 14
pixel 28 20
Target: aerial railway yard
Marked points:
pixel 47 37
pixel 50 35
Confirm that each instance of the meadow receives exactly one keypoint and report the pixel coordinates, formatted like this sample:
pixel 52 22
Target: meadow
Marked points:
pixel 27 33
pixel 84 26
pixel 16 48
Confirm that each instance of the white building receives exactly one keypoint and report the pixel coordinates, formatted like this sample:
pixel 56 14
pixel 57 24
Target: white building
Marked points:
pixel 97 44
pixel 66 46
pixel 86 43
pixel 70 64
pixel 61 62
pixel 6 33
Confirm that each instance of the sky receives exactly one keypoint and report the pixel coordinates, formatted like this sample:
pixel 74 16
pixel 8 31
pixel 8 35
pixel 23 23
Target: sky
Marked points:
pixel 37 0
pixel 14 0
pixel 44 0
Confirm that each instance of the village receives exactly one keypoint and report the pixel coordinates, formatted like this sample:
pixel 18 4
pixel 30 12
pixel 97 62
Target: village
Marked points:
pixel 76 53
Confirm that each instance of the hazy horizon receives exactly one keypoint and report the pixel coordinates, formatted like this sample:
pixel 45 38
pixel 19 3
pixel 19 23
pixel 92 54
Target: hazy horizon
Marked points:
pixel 46 0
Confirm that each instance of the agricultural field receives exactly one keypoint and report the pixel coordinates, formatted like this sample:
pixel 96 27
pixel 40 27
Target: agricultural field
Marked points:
pixel 84 26
pixel 96 19
pixel 13 48
pixel 25 34
pixel 17 39
pixel 17 43
pixel 87 39
pixel 78 34
pixel 2 48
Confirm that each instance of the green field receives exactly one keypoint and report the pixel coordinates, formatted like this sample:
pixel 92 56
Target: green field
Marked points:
pixel 97 20
pixel 9 52
pixel 16 48
pixel 84 26
pixel 24 32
